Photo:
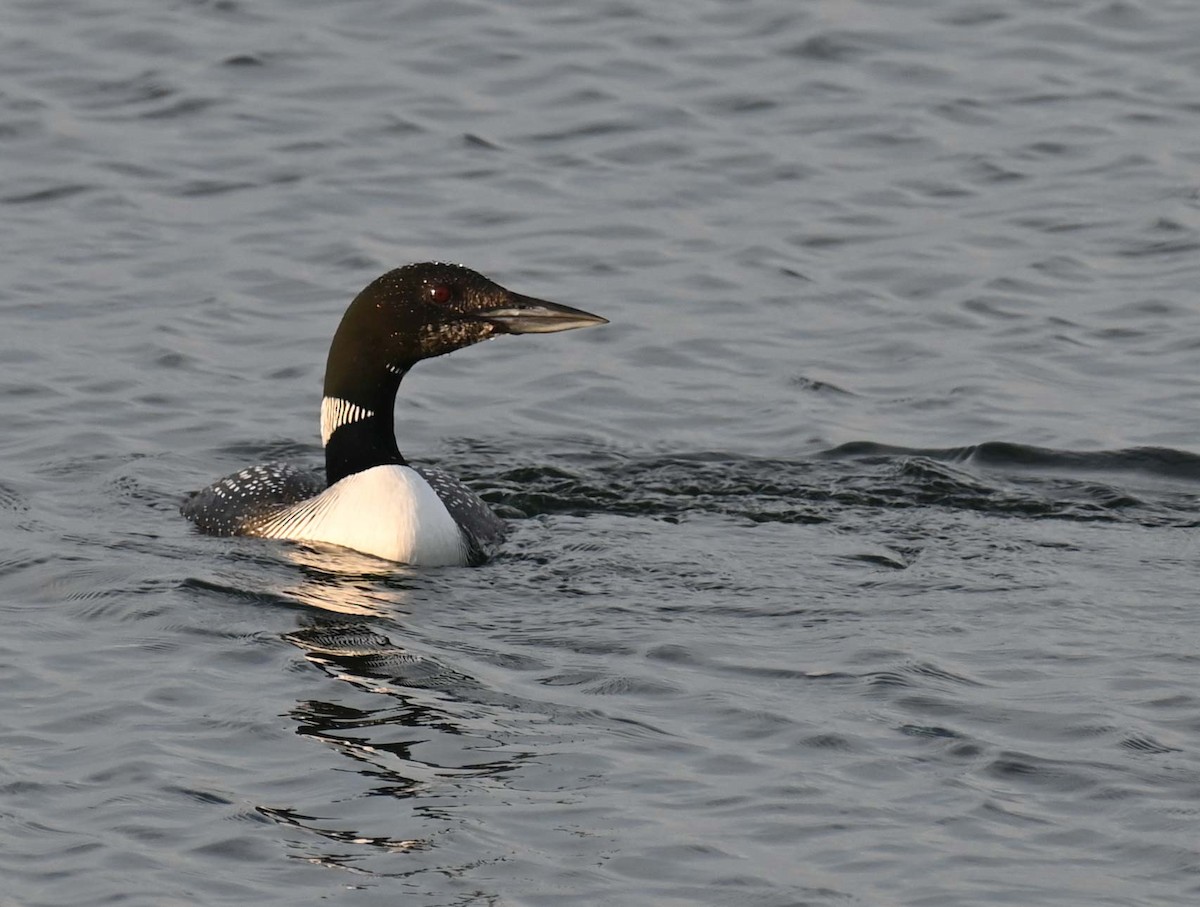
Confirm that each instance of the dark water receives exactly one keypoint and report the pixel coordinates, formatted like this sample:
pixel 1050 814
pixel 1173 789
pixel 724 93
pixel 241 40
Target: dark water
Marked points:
pixel 854 563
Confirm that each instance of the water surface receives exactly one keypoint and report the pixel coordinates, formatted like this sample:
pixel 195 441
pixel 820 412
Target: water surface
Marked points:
pixel 853 563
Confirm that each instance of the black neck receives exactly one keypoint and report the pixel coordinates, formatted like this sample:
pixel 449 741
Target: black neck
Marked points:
pixel 368 442
pixel 389 327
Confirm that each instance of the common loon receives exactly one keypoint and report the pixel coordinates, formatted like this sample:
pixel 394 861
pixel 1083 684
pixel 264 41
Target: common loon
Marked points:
pixel 370 498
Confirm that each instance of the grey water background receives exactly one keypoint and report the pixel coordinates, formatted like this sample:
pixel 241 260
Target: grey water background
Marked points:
pixel 855 562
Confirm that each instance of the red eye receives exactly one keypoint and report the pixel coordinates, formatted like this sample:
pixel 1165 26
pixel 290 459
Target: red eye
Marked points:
pixel 439 292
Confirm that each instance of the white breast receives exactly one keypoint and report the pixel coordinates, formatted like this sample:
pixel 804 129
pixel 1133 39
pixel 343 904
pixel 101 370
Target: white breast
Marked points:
pixel 388 511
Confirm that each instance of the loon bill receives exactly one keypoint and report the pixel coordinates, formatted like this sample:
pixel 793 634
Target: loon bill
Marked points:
pixel 370 498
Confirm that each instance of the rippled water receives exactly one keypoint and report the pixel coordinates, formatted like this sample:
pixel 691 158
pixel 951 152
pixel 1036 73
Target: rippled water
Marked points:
pixel 853 563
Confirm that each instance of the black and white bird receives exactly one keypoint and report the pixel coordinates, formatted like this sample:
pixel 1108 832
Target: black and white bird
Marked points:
pixel 370 498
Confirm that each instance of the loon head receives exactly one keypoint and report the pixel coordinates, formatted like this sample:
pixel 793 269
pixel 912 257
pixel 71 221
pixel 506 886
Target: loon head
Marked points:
pixel 409 314
pixel 430 309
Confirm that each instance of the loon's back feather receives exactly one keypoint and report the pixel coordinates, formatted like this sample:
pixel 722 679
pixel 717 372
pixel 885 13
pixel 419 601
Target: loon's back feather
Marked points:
pixel 249 496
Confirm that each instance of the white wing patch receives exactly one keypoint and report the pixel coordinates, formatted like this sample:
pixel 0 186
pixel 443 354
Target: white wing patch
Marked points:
pixel 336 412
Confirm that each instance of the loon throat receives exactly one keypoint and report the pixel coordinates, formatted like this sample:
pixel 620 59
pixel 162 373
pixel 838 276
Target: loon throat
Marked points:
pixel 371 498
pixel 336 412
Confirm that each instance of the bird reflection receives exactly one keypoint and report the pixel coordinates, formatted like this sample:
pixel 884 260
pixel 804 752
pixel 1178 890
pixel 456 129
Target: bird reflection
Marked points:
pixel 417 733
pixel 342 581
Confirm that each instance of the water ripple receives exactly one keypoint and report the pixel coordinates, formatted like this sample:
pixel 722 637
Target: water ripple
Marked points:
pixel 853 563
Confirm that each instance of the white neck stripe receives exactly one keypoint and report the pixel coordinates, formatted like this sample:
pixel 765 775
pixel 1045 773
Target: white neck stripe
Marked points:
pixel 336 412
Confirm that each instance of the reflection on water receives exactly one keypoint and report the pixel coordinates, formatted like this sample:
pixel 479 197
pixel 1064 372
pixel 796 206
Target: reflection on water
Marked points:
pixel 345 582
